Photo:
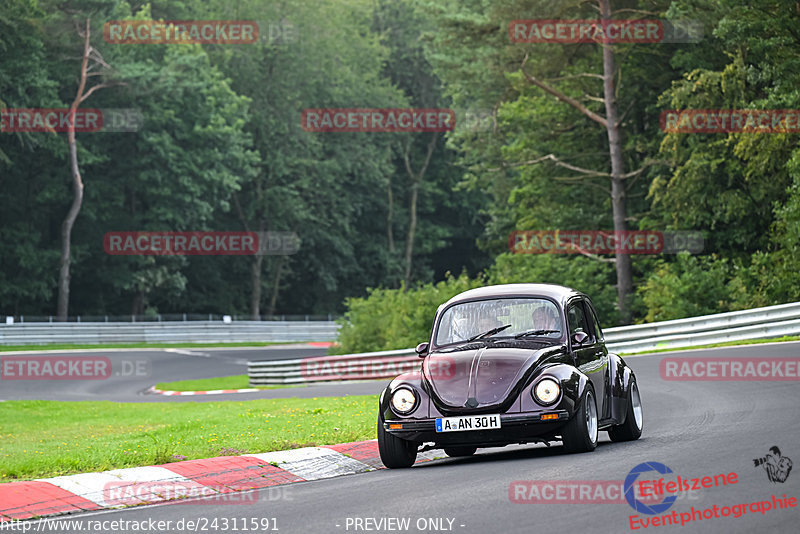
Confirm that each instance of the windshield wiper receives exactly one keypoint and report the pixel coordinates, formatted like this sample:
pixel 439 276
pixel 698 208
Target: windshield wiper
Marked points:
pixel 535 333
pixel 491 332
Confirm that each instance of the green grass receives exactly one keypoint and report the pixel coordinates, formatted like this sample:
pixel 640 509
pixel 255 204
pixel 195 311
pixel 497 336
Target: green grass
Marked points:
pixel 224 382
pixel 51 438
pixel 724 344
pixel 67 346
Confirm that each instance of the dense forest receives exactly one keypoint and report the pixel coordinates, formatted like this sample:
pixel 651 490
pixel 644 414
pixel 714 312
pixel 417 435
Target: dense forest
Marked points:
pixel 548 136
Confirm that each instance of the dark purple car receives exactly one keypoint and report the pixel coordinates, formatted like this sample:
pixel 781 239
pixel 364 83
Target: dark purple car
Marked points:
pixel 516 363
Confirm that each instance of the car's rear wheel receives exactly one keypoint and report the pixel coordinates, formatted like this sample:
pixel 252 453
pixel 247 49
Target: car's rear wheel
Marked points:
pixel 395 452
pixel 631 429
pixel 455 452
pixel 580 432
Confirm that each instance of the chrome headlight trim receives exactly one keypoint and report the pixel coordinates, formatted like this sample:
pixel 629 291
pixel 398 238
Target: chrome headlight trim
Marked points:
pixel 394 400
pixel 550 390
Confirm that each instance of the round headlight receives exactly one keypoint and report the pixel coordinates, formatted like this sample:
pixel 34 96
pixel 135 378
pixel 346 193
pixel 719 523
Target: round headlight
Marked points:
pixel 546 391
pixel 404 401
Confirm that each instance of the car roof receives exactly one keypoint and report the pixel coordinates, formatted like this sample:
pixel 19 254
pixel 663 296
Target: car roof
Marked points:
pixel 558 293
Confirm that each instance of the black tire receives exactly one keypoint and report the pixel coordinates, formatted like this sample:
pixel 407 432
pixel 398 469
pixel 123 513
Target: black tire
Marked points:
pixel 395 452
pixel 630 429
pixel 576 435
pixel 455 452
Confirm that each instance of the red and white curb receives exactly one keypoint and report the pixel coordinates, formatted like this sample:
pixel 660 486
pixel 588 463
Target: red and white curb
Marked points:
pixel 192 478
pixel 210 392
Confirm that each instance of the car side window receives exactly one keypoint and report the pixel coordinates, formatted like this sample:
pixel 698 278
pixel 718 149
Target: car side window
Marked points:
pixel 577 319
pixel 596 324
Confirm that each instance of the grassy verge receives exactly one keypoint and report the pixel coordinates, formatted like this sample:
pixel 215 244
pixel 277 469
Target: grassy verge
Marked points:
pixel 51 438
pixel 67 346
pixel 223 382
pixel 725 344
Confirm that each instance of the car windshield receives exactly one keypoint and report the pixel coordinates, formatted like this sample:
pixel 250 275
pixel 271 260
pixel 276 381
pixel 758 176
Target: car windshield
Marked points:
pixel 527 317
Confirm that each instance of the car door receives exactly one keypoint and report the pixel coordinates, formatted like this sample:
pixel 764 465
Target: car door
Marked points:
pixel 600 343
pixel 591 357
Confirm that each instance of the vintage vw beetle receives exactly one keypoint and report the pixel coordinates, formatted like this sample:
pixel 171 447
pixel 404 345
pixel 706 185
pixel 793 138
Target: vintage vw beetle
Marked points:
pixel 515 363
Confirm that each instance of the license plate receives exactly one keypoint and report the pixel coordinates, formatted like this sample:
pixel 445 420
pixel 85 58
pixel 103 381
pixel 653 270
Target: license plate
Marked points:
pixel 467 422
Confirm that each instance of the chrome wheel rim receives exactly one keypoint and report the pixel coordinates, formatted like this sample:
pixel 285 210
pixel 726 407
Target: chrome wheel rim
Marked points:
pixel 591 417
pixel 636 402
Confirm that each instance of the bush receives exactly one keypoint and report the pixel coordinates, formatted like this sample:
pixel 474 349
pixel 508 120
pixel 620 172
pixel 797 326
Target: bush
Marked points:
pixel 390 319
pixel 688 287
pixel 596 279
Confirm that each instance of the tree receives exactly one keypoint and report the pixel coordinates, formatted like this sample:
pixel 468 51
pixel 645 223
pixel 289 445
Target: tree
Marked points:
pixel 471 53
pixel 83 93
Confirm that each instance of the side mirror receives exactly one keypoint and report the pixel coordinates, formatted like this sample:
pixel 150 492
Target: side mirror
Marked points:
pixel 579 338
pixel 422 349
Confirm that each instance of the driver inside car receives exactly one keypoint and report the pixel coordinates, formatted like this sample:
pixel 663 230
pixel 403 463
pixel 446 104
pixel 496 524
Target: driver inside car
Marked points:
pixel 545 318
pixel 487 323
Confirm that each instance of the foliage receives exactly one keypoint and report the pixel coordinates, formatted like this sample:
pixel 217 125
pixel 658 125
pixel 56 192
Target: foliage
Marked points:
pixel 389 319
pixel 221 148
pixel 595 279
pixel 688 287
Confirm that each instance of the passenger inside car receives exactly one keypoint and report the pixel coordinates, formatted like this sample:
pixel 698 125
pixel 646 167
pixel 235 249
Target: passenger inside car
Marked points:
pixel 546 318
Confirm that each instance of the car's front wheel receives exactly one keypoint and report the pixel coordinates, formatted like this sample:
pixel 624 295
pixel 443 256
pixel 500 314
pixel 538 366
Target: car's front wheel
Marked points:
pixel 455 452
pixel 580 432
pixel 631 429
pixel 395 452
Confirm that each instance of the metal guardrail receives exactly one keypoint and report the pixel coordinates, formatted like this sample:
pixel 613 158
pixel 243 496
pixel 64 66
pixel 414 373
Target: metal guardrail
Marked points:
pixel 758 323
pixel 365 366
pixel 178 332
pixel 159 318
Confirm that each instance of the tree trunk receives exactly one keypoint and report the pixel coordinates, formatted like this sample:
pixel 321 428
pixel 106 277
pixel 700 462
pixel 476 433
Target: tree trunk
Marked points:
pixel 276 285
pixel 623 263
pixel 416 178
pixel 66 230
pixel 258 259
pixel 389 215
pixel 412 228
pixel 77 191
pixel 255 287
pixel 137 307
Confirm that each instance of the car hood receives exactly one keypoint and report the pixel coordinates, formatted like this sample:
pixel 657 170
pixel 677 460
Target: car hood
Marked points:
pixel 473 380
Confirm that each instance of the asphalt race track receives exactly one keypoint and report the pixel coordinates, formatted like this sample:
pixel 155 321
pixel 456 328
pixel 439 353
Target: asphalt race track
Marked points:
pixel 134 371
pixel 696 428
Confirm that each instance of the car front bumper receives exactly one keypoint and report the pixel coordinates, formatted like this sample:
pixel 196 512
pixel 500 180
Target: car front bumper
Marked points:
pixel 514 428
